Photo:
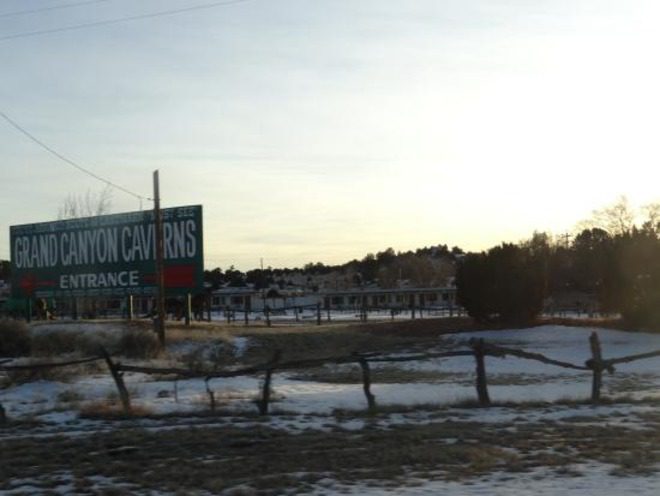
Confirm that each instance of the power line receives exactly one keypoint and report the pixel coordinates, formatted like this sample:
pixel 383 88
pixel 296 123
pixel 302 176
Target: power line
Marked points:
pixel 69 161
pixel 17 13
pixel 118 20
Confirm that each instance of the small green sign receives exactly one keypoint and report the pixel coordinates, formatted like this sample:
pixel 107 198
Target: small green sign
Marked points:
pixel 107 255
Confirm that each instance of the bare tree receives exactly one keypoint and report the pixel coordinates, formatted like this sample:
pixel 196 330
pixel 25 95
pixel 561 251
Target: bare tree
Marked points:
pixel 88 205
pixel 618 218
pixel 652 222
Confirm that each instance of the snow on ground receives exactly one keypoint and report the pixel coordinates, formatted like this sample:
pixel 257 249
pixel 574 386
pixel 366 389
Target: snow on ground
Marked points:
pixel 510 379
pixel 65 484
pixel 569 344
pixel 304 404
pixel 590 479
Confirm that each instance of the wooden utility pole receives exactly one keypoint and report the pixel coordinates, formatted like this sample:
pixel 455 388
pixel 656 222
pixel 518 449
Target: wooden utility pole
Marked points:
pixel 159 322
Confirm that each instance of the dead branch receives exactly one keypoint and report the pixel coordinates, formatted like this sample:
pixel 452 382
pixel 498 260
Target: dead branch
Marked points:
pixel 501 351
pixel 423 356
pixel 632 358
pixel 49 365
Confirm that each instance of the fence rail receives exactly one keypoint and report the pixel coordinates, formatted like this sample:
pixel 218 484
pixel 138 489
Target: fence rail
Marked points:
pixel 321 313
pixel 478 348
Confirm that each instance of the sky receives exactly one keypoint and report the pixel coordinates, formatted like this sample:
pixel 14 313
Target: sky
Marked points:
pixel 321 130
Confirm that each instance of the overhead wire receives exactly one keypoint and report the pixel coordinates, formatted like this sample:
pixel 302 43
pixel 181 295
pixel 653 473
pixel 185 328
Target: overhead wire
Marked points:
pixel 17 13
pixel 118 20
pixel 57 154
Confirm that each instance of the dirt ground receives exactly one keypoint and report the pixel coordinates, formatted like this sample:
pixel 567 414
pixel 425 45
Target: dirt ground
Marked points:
pixel 190 456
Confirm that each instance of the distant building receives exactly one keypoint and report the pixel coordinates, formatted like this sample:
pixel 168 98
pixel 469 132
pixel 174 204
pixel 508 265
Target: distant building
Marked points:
pixel 256 300
pixel 396 298
pixel 352 299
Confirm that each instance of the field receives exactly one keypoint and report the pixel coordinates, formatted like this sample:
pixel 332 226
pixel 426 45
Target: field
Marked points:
pixel 66 432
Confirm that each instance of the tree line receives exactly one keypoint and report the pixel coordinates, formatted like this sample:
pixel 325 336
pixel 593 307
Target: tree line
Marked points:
pixel 427 266
pixel 613 259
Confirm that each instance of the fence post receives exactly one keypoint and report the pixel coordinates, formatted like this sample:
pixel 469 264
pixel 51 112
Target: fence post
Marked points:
pixel 245 316
pixel 366 381
pixel 119 381
pixel 267 311
pixel 482 383
pixel 318 314
pixel 3 416
pixel 211 394
pixel 596 365
pixel 413 312
pixel 265 391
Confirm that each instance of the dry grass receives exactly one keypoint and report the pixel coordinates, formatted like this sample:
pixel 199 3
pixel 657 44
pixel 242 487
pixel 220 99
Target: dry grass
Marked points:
pixel 69 396
pixel 268 461
pixel 57 374
pixel 352 374
pixel 298 341
pixel 136 343
pixel 14 338
pixel 112 410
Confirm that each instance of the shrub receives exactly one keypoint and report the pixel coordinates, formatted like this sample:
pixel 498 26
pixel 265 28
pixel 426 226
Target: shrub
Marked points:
pixel 14 338
pixel 58 374
pixel 69 396
pixel 55 343
pixel 139 344
pixel 111 410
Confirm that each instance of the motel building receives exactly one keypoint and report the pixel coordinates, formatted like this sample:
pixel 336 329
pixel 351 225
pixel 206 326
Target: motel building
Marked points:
pixel 256 300
pixel 236 298
pixel 396 298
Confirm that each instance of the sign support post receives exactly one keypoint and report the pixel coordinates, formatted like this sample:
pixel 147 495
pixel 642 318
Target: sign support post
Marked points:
pixel 159 322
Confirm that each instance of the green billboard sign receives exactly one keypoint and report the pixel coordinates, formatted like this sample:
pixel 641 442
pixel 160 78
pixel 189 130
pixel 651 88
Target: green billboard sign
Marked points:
pixel 107 255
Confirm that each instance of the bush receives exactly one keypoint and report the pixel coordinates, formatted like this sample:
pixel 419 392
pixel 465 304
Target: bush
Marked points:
pixel 57 343
pixel 139 344
pixel 55 374
pixel 111 410
pixel 53 343
pixel 14 338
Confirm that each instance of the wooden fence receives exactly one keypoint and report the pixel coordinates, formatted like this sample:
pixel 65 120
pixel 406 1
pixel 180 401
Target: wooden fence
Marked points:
pixel 324 314
pixel 477 348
